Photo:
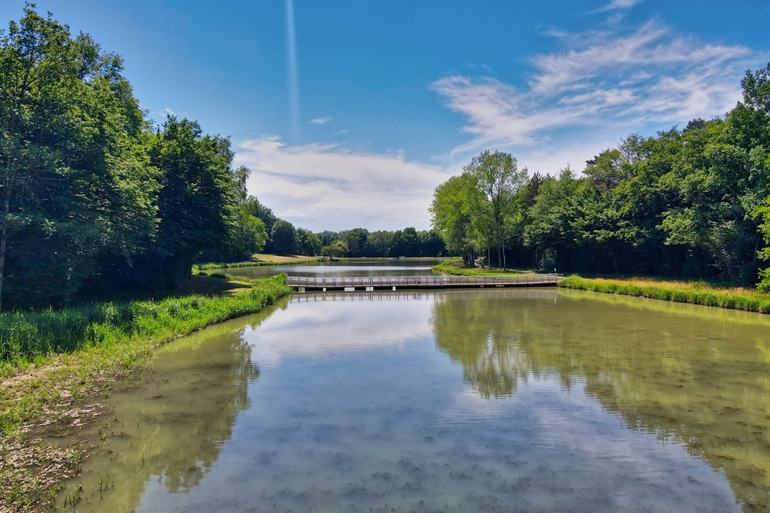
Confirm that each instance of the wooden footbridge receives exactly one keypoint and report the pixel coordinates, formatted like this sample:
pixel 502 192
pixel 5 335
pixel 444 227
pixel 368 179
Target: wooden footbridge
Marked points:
pixel 370 283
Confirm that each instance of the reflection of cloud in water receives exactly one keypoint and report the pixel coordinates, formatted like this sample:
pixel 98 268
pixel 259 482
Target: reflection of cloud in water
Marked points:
pixel 676 372
pixel 514 403
pixel 316 326
pixel 572 426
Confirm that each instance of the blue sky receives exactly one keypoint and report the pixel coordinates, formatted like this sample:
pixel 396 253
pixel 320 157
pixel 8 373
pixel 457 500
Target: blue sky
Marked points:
pixel 394 97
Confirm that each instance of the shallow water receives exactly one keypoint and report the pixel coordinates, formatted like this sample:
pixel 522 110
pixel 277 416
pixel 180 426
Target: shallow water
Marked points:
pixel 346 269
pixel 489 400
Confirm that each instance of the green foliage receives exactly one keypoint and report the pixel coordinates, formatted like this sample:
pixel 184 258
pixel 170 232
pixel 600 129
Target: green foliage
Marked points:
pixel 360 243
pixel 452 213
pixel 688 203
pixel 306 242
pixel 751 302
pixel 75 183
pixel 25 336
pixel 92 201
pixel 336 249
pixel 283 238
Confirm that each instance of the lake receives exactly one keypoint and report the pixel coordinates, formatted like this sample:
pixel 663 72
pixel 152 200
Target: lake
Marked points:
pixel 488 400
pixel 343 268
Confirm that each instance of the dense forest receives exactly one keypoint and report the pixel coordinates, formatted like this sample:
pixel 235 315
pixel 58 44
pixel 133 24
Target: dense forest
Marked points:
pixel 95 198
pixel 685 203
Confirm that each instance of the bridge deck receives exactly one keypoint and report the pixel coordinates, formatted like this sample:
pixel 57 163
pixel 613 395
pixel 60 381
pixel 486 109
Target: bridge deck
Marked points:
pixel 421 282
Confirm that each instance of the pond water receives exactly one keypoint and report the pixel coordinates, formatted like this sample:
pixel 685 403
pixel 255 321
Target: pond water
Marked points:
pixel 346 268
pixel 491 400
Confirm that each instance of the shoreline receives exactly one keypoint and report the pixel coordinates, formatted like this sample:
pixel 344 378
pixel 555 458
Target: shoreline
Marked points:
pixel 673 291
pixel 61 393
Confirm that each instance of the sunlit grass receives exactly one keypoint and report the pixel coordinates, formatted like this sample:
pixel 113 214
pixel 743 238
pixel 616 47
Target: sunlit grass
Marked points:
pixel 698 292
pixel 456 267
pixel 30 337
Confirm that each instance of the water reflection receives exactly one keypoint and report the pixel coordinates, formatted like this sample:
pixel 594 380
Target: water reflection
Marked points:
pixel 171 424
pixel 698 375
pixel 490 400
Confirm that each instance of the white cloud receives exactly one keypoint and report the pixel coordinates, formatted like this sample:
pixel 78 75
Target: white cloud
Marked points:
pixel 166 112
pixel 326 186
pixel 602 85
pixel 602 82
pixel 620 4
pixel 362 331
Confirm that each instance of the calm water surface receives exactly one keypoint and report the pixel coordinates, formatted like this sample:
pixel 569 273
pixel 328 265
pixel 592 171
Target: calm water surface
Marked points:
pixel 489 400
pixel 346 269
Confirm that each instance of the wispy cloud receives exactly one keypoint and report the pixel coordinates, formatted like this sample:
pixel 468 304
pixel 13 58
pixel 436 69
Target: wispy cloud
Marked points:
pixel 603 80
pixel 325 186
pixel 619 5
pixel 320 121
pixel 166 112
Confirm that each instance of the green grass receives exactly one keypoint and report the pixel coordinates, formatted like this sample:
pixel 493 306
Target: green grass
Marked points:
pixel 58 367
pixel 259 262
pixel 456 267
pixel 697 293
pixel 27 337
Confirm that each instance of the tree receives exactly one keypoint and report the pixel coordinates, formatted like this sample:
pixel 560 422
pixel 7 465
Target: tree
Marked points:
pixel 606 169
pixel 379 243
pixel 198 201
pixel 756 89
pixel 336 249
pixel 307 242
pixel 283 238
pixel 260 211
pixel 76 184
pixel 431 243
pixel 249 236
pixel 452 213
pixel 357 241
pixel 498 179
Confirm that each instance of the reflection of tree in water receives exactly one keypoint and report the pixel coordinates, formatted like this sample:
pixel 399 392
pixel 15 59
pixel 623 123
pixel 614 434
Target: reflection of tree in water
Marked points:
pixel 476 335
pixel 705 383
pixel 174 423
pixel 218 387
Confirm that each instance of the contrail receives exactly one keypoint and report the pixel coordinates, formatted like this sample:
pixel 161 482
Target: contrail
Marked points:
pixel 292 64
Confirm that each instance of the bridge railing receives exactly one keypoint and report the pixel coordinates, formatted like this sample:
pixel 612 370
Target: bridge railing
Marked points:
pixel 421 281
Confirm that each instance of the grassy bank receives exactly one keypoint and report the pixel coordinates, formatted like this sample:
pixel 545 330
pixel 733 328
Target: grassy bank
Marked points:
pixel 260 260
pixel 58 366
pixel 697 293
pixel 456 267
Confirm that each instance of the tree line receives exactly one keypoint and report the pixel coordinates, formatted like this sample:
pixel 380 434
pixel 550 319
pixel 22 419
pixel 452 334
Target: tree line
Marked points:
pixel 684 203
pixel 94 198
pixel 360 242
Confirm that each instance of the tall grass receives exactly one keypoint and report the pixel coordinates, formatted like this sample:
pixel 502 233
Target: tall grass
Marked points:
pixel 735 299
pixel 28 336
